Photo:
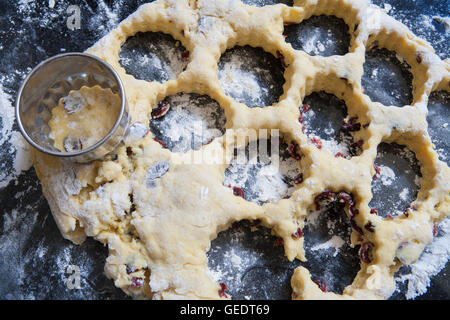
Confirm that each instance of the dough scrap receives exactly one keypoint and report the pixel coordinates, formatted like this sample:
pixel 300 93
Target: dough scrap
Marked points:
pixel 158 236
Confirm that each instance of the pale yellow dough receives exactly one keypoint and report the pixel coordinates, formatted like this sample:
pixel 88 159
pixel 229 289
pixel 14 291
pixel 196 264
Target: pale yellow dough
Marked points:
pixel 168 234
pixel 98 113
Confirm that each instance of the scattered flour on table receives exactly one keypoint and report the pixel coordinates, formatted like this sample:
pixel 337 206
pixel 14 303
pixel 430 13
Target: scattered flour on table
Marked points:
pixel 404 194
pixel 335 242
pixel 12 237
pixel 424 26
pixel 445 21
pixel 104 19
pixel 191 122
pixel 241 84
pixel 164 59
pixel 387 175
pixel 269 184
pixel 28 8
pixel 432 260
pixel 334 145
pixel 387 7
pixel 12 141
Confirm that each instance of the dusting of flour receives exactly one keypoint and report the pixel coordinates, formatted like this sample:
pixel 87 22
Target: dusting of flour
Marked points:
pixel 11 141
pixel 432 260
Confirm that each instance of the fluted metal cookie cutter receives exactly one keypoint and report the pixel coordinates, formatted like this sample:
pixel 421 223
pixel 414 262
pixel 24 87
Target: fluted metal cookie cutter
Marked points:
pixel 52 80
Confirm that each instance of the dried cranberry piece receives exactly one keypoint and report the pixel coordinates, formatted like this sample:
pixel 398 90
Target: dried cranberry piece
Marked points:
pixel 327 196
pixel 282 59
pixel 278 242
pixel 435 230
pixel 207 143
pixel 302 121
pixel 344 198
pixel 352 210
pixel 377 169
pixel 129 151
pixel 185 55
pixel 419 58
pixel 377 173
pixel 136 282
pixel 298 178
pixel 366 252
pixel 293 149
pixel 305 107
pixel 351 125
pixel 374 211
pixel 369 227
pixel 341 155
pixel 317 142
pixel 406 212
pixel 160 142
pixel 161 109
pixel 297 234
pixel 322 286
pixel 238 192
pixel 222 293
pixel 356 227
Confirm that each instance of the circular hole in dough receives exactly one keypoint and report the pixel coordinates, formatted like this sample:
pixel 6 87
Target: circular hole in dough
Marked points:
pixel 387 78
pixel 319 36
pixel 248 260
pixel 398 181
pixel 257 178
pixel 438 127
pixel 192 121
pixel 251 76
pixel 262 3
pixel 153 56
pixel 330 258
pixel 323 116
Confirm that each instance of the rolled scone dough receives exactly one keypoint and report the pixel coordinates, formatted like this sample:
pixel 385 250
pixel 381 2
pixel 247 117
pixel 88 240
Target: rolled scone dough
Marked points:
pixel 149 205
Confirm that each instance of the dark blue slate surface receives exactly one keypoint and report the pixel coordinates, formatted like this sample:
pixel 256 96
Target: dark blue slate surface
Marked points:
pixel 33 253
